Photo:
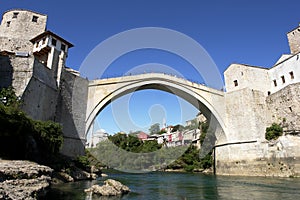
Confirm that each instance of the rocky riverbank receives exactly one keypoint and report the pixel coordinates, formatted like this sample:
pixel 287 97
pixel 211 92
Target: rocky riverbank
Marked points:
pixel 23 179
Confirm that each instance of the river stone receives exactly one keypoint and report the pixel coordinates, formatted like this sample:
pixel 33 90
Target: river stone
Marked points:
pixel 111 188
pixel 19 169
pixel 23 179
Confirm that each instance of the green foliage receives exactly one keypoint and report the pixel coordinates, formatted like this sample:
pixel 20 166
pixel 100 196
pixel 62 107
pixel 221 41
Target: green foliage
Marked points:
pixel 133 144
pixel 194 125
pixel 8 98
pixel 178 127
pixel 274 131
pixel 83 162
pixel 204 129
pixel 22 137
pixel 154 129
pixel 190 160
pixel 49 136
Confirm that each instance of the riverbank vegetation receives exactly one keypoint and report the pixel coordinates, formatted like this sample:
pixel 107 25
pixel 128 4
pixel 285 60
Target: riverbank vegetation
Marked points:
pixel 24 138
pixel 128 152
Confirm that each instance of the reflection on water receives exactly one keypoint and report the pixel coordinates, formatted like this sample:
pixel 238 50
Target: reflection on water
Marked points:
pixel 183 186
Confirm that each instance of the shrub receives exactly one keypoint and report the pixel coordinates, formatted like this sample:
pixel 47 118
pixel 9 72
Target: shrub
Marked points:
pixel 273 132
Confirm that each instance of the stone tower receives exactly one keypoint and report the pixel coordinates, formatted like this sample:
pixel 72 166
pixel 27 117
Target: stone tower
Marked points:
pixel 18 27
pixel 294 40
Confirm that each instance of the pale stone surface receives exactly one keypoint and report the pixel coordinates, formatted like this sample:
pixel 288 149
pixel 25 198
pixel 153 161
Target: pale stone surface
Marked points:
pixel 276 158
pixel 23 179
pixel 111 188
pixel 294 40
pixel 284 107
pixel 22 26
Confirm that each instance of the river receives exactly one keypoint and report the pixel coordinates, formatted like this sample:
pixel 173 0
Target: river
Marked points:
pixel 183 186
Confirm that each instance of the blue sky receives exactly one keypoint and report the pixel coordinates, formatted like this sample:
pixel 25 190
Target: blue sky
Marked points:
pixel 250 32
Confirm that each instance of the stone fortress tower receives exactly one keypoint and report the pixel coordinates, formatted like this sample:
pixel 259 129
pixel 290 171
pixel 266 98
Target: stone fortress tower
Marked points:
pixel 32 60
pixel 266 95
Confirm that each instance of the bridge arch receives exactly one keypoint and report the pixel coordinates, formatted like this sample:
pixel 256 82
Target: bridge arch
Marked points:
pixel 209 101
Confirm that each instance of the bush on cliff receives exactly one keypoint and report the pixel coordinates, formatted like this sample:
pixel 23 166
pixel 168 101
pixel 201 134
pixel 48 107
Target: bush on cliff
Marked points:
pixel 273 132
pixel 22 137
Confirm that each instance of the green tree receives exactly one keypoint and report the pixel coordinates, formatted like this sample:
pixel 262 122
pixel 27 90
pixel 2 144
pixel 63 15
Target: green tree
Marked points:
pixel 178 127
pixel 274 131
pixel 154 129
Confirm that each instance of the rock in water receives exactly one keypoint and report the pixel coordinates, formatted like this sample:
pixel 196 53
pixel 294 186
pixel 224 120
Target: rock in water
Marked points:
pixel 23 179
pixel 111 188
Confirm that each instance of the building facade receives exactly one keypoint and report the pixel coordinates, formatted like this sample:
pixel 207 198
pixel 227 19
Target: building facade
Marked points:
pixel 32 61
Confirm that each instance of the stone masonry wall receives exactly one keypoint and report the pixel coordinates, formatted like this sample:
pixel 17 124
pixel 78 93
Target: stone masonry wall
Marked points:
pixel 22 25
pixel 15 45
pixel 277 158
pixel 245 114
pixel 71 112
pixel 284 107
pixel 41 94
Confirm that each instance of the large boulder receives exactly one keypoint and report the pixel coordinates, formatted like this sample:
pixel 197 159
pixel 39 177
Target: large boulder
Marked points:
pixel 111 188
pixel 23 179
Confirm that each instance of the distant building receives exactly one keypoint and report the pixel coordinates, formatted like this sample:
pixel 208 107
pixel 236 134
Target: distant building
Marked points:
pixel 97 137
pixel 142 136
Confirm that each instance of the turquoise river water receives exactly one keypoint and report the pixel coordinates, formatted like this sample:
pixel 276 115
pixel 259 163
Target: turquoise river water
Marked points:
pixel 184 186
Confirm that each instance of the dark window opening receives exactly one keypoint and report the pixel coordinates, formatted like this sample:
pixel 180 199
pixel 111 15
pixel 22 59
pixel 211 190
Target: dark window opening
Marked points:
pixel 291 109
pixel 53 42
pixel 37 45
pixel 235 83
pixel 275 83
pixel 8 24
pixel 283 79
pixel 269 93
pixel 34 18
pixel 15 15
pixel 63 47
pixel 44 41
pixel 292 75
pixel 242 73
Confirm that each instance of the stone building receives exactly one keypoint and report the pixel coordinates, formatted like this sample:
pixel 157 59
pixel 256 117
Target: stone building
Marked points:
pixel 266 95
pixel 32 60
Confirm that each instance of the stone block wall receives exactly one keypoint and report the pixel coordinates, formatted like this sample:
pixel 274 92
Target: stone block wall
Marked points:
pixel 294 40
pixel 23 24
pixel 15 45
pixel 278 158
pixel 71 112
pixel 246 115
pixel 284 107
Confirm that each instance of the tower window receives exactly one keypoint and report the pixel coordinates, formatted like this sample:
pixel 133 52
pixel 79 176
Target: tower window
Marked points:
pixel 235 82
pixel 53 42
pixel 269 93
pixel 283 79
pixel 8 24
pixel 34 18
pixel 63 47
pixel 275 83
pixel 15 15
pixel 44 41
pixel 292 75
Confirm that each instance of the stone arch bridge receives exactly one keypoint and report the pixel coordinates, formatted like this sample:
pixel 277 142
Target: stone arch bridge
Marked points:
pixel 210 101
